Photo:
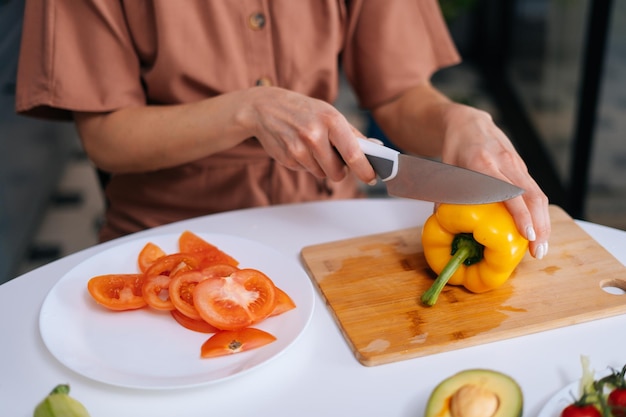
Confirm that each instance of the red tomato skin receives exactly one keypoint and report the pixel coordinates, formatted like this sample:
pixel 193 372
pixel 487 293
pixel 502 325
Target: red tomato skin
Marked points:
pixel 284 303
pixel 617 402
pixel 148 255
pixel 175 262
pixel 209 254
pixel 181 293
pixel 199 326
pixel 151 290
pixel 227 342
pixel 574 410
pixel 218 270
pixel 117 292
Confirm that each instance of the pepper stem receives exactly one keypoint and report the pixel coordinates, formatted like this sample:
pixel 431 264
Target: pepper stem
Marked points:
pixel 61 389
pixel 465 250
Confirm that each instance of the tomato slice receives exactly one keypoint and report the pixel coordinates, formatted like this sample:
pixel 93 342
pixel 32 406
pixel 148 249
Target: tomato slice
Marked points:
pixel 182 287
pixel 155 291
pixel 148 255
pixel 239 300
pixel 227 342
pixel 200 325
pixel 174 263
pixel 218 270
pixel 284 303
pixel 117 291
pixel 209 254
pixel 181 293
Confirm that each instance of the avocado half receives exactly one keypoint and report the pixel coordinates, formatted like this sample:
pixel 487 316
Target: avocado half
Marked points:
pixel 476 393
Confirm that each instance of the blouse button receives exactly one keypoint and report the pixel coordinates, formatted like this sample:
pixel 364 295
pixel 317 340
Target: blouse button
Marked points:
pixel 264 81
pixel 256 21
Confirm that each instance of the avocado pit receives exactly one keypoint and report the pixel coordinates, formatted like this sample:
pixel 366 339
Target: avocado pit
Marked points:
pixel 476 393
pixel 473 401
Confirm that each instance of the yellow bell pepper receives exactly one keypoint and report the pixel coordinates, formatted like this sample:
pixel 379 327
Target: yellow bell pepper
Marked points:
pixel 477 246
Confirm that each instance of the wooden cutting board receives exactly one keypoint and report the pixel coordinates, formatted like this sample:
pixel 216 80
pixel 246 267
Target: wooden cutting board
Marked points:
pixel 372 285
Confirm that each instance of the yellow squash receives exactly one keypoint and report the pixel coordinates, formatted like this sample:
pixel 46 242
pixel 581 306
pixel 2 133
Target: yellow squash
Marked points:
pixel 477 246
pixel 59 404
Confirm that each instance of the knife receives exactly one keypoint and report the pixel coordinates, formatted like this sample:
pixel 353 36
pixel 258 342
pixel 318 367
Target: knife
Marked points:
pixel 424 179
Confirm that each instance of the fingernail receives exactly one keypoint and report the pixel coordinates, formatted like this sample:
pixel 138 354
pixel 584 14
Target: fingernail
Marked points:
pixel 372 182
pixel 541 250
pixel 530 233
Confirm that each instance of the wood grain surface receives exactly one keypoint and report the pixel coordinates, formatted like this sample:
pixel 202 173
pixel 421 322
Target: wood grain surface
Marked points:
pixel 372 285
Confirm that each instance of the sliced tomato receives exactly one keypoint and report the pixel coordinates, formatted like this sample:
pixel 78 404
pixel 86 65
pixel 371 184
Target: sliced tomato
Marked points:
pixel 218 270
pixel 181 293
pixel 227 342
pixel 209 254
pixel 149 253
pixel 200 325
pixel 182 287
pixel 155 291
pixel 284 303
pixel 172 264
pixel 117 291
pixel 239 300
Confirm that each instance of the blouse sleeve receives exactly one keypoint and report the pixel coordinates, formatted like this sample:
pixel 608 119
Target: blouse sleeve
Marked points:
pixel 394 45
pixel 76 56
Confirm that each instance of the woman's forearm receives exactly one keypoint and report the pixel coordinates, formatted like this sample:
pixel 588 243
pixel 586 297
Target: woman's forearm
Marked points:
pixel 299 132
pixel 415 121
pixel 145 138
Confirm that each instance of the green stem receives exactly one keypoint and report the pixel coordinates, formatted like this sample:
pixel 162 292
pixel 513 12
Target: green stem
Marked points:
pixel 61 389
pixel 465 250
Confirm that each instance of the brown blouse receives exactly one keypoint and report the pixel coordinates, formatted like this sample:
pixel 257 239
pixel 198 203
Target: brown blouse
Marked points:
pixel 103 55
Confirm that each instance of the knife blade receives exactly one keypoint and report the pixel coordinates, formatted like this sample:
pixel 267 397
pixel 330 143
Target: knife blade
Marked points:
pixel 424 179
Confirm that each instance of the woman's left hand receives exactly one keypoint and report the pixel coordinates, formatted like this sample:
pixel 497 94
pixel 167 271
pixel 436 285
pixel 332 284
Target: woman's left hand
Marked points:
pixel 472 140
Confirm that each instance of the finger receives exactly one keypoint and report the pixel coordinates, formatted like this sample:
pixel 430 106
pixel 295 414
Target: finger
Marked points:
pixel 329 160
pixel 539 208
pixel 532 218
pixel 522 217
pixel 308 162
pixel 351 153
pixel 293 155
pixel 530 210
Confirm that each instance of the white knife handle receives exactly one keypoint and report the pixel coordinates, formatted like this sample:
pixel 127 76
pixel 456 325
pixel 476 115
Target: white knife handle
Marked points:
pixel 384 160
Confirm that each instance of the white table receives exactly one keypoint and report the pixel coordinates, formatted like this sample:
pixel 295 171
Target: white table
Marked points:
pixel 318 375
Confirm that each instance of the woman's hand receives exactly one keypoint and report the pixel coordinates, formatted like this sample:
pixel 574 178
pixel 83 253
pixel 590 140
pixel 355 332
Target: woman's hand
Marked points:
pixel 300 132
pixel 473 141
pixel 425 122
pixel 303 133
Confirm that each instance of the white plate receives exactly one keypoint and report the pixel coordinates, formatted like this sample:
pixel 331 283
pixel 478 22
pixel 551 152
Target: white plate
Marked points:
pixel 560 400
pixel 146 348
pixel 564 397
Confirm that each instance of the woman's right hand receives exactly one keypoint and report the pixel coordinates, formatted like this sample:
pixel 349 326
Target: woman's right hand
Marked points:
pixel 300 132
pixel 304 133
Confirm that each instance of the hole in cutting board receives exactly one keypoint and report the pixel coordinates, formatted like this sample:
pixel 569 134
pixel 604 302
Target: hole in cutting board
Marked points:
pixel 614 286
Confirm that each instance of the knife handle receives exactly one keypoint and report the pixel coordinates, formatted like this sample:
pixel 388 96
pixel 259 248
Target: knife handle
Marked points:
pixel 384 160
